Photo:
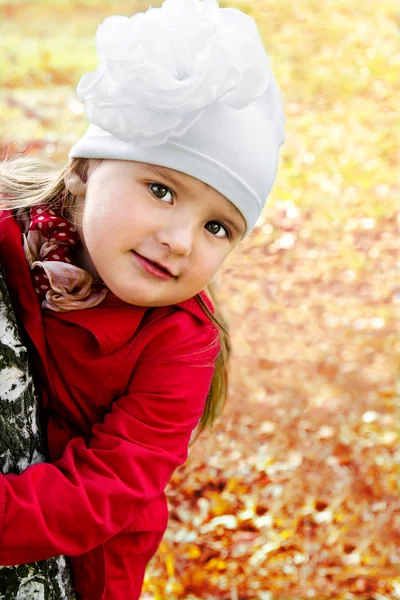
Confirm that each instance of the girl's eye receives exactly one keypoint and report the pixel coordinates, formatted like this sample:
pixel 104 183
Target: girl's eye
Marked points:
pixel 216 228
pixel 158 190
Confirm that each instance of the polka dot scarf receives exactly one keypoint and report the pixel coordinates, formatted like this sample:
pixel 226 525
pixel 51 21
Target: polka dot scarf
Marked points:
pixel 49 244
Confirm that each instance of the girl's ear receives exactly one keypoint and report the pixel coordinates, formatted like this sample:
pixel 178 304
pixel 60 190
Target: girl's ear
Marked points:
pixel 74 184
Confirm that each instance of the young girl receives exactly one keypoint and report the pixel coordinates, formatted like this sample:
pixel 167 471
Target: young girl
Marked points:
pixel 108 266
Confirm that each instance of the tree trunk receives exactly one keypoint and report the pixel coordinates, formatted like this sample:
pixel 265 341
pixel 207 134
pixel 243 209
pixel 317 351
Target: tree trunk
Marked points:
pixel 21 445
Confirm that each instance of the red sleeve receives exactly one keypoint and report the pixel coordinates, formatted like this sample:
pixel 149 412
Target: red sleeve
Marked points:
pixel 99 486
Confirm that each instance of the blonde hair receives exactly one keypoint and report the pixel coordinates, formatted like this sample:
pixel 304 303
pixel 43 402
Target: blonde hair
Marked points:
pixel 26 182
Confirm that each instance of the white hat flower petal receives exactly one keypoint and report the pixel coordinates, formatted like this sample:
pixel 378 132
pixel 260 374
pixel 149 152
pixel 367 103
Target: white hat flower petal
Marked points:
pixel 160 70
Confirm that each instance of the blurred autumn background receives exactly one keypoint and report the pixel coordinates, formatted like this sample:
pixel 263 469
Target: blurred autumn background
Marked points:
pixel 296 493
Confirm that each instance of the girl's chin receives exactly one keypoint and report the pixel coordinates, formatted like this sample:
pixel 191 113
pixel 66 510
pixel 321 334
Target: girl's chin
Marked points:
pixel 138 297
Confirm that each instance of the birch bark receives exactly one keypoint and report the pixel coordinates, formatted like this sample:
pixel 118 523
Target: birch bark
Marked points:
pixel 21 445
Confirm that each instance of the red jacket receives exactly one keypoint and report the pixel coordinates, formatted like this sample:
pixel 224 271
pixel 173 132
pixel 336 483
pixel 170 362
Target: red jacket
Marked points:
pixel 122 387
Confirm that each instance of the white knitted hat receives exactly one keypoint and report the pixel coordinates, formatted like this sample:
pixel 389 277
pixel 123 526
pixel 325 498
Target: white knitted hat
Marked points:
pixel 187 86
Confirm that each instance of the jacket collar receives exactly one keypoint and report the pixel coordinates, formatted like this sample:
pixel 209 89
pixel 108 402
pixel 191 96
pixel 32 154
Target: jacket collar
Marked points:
pixel 113 328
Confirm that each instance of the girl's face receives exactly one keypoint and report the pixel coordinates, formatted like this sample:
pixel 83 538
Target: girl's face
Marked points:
pixel 131 215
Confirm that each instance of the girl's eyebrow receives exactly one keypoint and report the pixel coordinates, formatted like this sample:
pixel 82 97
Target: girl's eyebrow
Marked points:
pixel 166 174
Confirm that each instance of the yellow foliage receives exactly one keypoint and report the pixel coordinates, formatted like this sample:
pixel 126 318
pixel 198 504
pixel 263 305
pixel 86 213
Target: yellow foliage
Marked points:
pixel 306 455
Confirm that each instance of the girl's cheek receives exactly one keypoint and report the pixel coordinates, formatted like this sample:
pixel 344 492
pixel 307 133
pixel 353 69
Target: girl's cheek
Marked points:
pixel 213 266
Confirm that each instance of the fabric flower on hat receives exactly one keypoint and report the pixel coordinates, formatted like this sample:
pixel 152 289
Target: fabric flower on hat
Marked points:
pixel 160 70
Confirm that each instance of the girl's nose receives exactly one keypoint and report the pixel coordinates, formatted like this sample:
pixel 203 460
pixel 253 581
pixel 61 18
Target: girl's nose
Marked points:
pixel 178 238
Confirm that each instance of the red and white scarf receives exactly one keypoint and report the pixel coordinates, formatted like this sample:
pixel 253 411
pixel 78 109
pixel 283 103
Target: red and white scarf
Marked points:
pixel 50 242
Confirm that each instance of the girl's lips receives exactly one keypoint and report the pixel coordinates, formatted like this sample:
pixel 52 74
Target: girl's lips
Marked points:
pixel 151 267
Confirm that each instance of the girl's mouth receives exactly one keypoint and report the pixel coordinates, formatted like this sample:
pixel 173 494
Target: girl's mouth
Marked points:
pixel 151 267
